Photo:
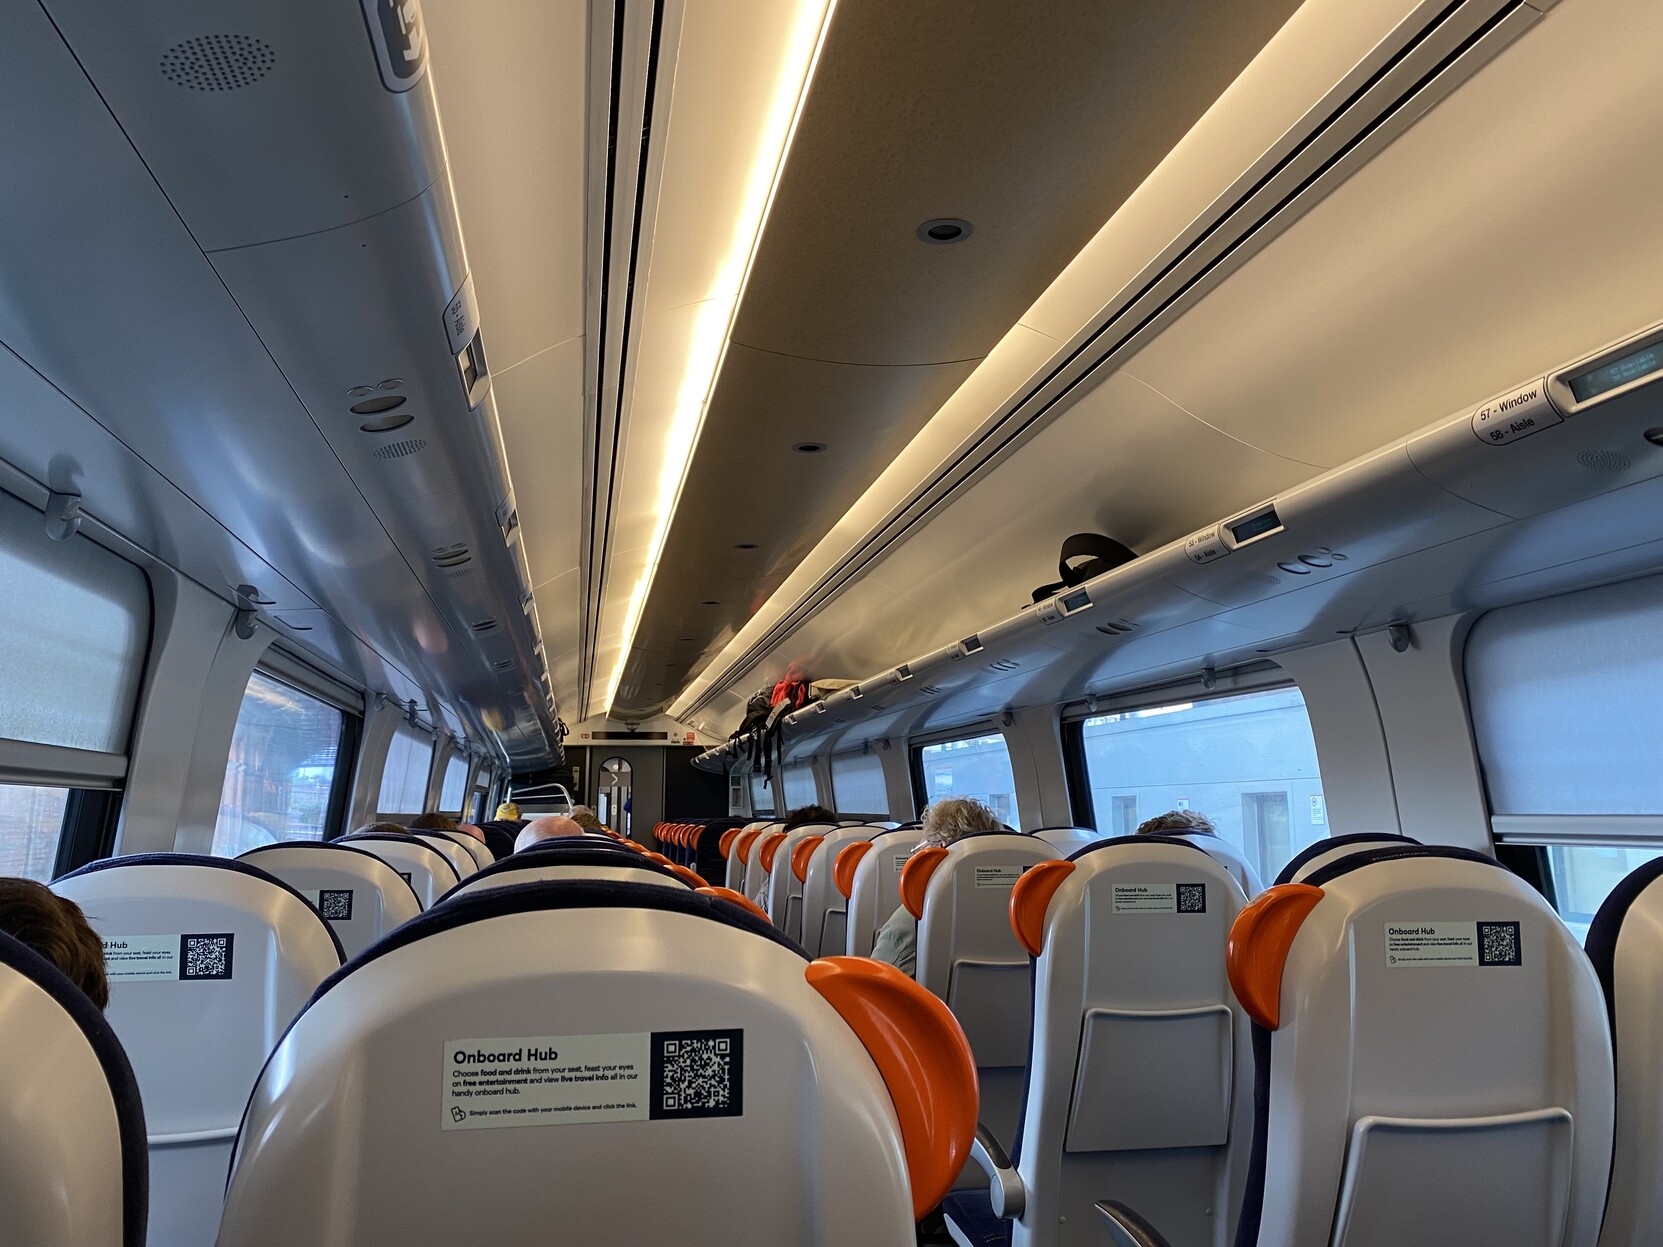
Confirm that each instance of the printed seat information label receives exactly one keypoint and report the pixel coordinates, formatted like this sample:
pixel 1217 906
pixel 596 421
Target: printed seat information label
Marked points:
pixel 1159 898
pixel 492 1084
pixel 997 876
pixel 1452 944
pixel 168 958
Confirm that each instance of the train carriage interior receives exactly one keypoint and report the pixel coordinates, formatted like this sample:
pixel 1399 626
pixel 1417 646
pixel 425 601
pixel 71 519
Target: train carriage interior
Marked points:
pixel 831 622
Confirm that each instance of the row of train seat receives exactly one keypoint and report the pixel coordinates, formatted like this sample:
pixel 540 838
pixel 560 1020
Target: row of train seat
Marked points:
pixel 1192 1067
pixel 590 937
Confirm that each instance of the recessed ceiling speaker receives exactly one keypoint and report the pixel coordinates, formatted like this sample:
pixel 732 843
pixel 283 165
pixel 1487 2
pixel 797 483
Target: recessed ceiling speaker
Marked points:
pixel 218 62
pixel 1603 461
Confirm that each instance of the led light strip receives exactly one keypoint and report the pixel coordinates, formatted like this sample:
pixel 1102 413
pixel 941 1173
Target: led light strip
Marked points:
pixel 715 323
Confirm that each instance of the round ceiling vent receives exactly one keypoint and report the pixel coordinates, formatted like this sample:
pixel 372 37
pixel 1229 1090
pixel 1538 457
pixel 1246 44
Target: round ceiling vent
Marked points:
pixel 400 449
pixel 218 62
pixel 943 231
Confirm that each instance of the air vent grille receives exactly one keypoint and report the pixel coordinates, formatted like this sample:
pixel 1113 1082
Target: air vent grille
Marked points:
pixel 930 690
pixel 400 449
pixel 218 62
pixel 1116 627
pixel 452 556
pixel 502 665
pixel 1003 664
pixel 484 625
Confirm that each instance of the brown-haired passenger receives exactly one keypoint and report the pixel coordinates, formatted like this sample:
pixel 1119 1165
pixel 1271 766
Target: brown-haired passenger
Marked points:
pixel 432 822
pixel 56 929
pixel 804 815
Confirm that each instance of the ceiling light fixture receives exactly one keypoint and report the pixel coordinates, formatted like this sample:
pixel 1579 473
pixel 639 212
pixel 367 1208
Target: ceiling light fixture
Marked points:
pixel 710 337
pixel 944 231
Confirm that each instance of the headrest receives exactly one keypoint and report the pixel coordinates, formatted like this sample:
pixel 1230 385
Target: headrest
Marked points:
pixel 118 1073
pixel 801 852
pixel 1330 843
pixel 201 861
pixel 1607 926
pixel 769 846
pixel 550 894
pixel 523 861
pixel 725 844
pixel 848 860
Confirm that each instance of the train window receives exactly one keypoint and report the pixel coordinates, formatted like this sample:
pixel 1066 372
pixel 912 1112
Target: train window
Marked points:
pixel 31 822
pixel 76 619
pixel 404 777
pixel 455 787
pixel 974 766
pixel 858 785
pixel 1248 762
pixel 800 789
pixel 282 769
pixel 762 795
pixel 1584 874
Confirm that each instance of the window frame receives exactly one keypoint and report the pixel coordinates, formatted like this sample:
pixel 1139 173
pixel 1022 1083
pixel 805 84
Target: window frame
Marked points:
pixel 1259 677
pixel 967 731
pixel 320 689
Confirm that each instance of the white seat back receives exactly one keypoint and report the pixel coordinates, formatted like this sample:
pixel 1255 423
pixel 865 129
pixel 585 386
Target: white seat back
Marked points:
pixel 1142 1063
pixel 875 890
pixel 357 893
pixel 1432 1051
pixel 1332 849
pixel 969 957
pixel 785 889
pixel 1230 857
pixel 686 1030
pixel 481 855
pixel 574 863
pixel 461 860
pixel 759 862
pixel 1625 944
pixel 733 874
pixel 208 961
pixel 1066 840
pixel 428 871
pixel 72 1144
pixel 825 909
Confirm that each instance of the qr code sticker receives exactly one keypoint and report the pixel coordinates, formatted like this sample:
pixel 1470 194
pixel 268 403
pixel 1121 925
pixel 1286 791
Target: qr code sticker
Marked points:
pixel 1498 944
pixel 335 905
pixel 698 1074
pixel 205 956
pixel 1192 898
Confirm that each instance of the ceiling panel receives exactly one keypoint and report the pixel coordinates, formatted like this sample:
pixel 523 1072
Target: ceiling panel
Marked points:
pixel 1032 122
pixel 1511 228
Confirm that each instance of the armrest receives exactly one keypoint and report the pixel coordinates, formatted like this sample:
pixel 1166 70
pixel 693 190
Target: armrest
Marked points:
pixel 1126 1228
pixel 1005 1187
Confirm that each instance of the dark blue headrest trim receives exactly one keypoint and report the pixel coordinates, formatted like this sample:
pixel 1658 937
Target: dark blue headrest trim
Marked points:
pixel 210 863
pixel 979 835
pixel 118 1073
pixel 1395 853
pixel 1607 926
pixel 573 844
pixel 1097 846
pixel 334 846
pixel 1059 827
pixel 608 858
pixel 385 837
pixel 1328 844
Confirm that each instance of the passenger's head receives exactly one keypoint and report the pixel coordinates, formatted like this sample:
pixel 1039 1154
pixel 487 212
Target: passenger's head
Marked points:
pixel 508 810
pixel 57 930
pixel 383 829
pixel 1178 823
pixel 468 829
pixel 585 818
pixel 548 828
pixel 953 818
pixel 808 814
pixel 432 822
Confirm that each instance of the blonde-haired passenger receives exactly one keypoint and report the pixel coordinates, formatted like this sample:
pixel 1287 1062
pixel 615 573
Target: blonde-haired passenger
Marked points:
pixel 947 820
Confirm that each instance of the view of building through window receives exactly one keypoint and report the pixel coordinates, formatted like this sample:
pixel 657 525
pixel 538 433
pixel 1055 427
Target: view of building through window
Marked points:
pixel 978 766
pixel 280 770
pixel 1247 762
pixel 31 820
